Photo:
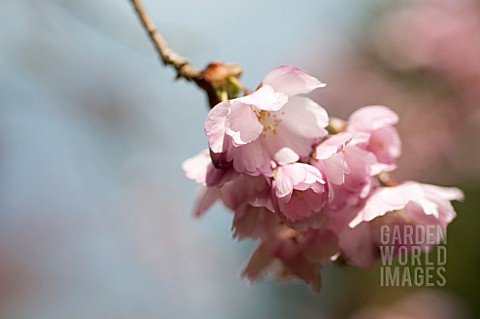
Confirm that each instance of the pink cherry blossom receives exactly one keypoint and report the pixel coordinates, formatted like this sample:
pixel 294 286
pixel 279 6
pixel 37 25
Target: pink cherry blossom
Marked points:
pixel 378 121
pixel 409 204
pixel 300 191
pixel 308 196
pixel 250 130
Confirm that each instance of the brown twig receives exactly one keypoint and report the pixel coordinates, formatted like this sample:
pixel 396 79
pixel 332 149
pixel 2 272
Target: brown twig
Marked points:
pixel 182 66
pixel 169 57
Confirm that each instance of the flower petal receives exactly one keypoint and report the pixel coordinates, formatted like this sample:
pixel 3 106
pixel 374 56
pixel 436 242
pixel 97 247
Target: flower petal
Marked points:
pixel 385 144
pixel 298 176
pixel 242 124
pixel 304 117
pixel 291 80
pixel 387 199
pixel 283 184
pixel 332 145
pixel 196 167
pixel 265 98
pixel 251 158
pixel 370 118
pixel 215 126
pixel 286 156
pixel 205 199
pixel 335 168
pixel 261 258
pixel 441 197
pixel 447 193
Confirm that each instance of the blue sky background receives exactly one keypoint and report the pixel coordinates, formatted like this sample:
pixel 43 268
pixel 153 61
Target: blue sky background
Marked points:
pixel 95 215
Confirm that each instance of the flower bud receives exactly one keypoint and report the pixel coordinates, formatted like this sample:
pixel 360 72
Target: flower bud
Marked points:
pixel 216 73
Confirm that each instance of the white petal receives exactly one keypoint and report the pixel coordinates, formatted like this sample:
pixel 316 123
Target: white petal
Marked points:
pixel 286 156
pixel 446 193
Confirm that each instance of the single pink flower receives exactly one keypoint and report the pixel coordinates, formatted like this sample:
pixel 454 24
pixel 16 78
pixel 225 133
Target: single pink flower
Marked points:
pixel 378 121
pixel 348 172
pixel 405 205
pixel 300 191
pixel 247 132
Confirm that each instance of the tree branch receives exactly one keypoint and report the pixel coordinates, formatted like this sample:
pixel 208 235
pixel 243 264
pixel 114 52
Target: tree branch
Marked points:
pixel 204 79
pixel 168 56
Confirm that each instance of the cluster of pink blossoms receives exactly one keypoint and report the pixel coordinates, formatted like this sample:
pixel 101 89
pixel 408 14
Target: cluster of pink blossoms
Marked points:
pixel 309 189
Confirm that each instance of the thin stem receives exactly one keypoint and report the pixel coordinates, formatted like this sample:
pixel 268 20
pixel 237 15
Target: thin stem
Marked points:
pixel 169 57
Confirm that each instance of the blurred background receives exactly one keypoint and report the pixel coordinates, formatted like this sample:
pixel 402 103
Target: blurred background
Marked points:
pixel 95 213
